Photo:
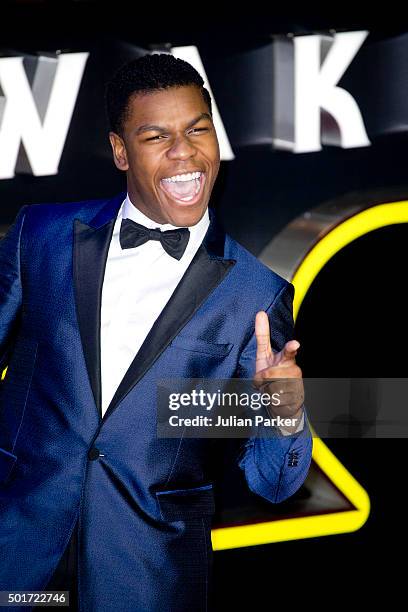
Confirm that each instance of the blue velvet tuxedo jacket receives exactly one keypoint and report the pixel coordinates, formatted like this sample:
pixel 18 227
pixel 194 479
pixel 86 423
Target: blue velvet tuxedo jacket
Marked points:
pixel 143 505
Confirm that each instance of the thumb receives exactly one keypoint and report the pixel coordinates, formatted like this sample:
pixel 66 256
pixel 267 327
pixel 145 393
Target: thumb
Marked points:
pixel 288 354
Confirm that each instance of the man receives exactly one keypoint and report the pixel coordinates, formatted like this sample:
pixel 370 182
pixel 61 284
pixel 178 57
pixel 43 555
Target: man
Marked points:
pixel 97 305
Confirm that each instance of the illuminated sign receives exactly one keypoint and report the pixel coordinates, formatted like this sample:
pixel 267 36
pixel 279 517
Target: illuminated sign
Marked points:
pixel 306 72
pixel 38 96
pixel 37 115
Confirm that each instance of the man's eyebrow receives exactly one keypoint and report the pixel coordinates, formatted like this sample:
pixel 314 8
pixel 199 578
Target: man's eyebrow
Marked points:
pixel 158 128
pixel 197 119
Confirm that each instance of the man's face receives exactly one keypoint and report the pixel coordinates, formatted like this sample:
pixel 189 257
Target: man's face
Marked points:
pixel 167 135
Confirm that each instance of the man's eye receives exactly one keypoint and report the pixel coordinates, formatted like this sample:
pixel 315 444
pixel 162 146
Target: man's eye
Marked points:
pixel 192 131
pixel 156 137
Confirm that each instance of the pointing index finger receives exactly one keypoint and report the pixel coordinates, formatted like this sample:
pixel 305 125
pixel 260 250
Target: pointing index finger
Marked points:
pixel 263 340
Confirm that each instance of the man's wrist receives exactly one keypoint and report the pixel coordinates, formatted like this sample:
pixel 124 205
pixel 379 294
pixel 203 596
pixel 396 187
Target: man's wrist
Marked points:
pixel 299 423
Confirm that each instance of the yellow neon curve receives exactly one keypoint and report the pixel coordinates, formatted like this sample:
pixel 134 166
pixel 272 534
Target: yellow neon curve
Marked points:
pixel 223 538
pixel 308 526
pixel 362 223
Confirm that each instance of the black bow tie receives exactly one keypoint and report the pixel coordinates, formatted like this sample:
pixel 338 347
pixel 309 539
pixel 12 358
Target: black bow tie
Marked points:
pixel 174 242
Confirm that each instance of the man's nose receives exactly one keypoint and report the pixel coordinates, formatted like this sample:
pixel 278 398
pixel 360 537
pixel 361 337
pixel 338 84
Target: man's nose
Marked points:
pixel 181 148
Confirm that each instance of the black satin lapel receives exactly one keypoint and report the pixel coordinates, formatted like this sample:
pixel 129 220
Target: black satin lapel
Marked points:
pixel 91 247
pixel 201 278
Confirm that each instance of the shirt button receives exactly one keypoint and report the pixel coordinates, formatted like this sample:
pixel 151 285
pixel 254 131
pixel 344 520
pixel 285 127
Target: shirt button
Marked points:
pixel 94 453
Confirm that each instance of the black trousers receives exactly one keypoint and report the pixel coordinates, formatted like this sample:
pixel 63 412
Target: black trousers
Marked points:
pixel 65 577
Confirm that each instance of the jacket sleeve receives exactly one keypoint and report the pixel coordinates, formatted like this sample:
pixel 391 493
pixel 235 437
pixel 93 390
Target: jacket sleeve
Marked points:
pixel 10 285
pixel 275 467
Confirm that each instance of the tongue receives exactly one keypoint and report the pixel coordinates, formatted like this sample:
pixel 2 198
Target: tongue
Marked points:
pixel 180 189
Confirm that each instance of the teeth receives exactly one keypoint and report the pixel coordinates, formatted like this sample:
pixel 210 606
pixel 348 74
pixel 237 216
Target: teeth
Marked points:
pixel 187 199
pixel 182 177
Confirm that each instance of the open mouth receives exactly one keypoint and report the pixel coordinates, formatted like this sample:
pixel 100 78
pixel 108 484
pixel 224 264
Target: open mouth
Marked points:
pixel 184 188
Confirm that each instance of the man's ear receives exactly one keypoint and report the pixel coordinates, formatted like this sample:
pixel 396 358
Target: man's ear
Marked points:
pixel 119 151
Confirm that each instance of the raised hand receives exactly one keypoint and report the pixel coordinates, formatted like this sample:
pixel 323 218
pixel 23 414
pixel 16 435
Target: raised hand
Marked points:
pixel 278 373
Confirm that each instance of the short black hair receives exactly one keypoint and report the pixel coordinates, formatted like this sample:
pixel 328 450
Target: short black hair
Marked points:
pixel 148 73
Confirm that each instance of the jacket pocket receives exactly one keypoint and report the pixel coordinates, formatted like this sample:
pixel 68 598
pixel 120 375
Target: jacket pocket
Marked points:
pixel 7 461
pixel 179 504
pixel 202 346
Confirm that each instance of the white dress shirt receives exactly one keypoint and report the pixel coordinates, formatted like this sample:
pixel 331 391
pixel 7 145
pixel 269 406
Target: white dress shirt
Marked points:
pixel 137 285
